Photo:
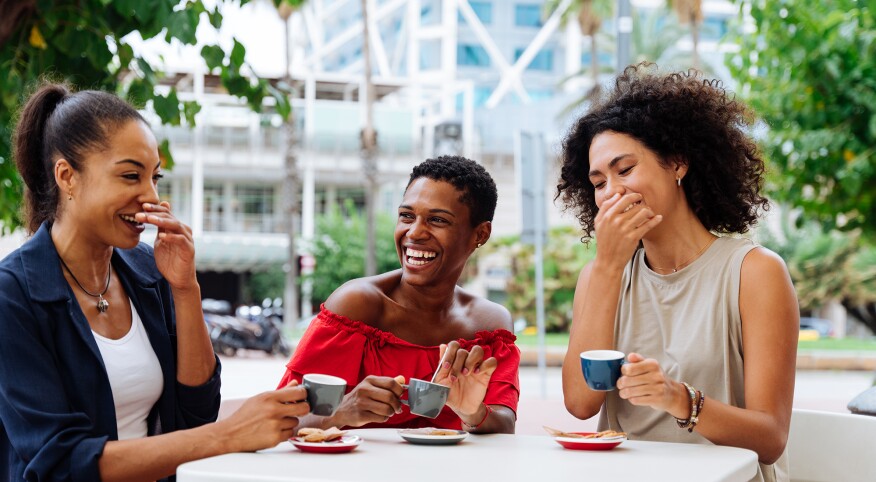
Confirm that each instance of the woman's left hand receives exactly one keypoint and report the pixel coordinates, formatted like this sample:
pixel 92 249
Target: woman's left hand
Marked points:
pixel 644 383
pixel 467 374
pixel 174 247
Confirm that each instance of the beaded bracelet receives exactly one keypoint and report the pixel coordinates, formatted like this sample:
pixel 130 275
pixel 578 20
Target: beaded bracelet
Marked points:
pixel 692 394
pixel 694 420
pixel 487 414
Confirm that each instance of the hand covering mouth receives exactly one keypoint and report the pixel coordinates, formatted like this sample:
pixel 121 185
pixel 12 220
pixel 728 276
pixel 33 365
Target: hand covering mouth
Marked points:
pixel 418 257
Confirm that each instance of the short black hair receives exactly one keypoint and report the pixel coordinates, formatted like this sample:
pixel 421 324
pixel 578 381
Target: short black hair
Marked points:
pixel 468 177
pixel 682 118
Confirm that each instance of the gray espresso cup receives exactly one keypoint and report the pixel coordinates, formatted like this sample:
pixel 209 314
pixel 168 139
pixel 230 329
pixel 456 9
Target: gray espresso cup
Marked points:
pixel 426 399
pixel 324 393
pixel 602 368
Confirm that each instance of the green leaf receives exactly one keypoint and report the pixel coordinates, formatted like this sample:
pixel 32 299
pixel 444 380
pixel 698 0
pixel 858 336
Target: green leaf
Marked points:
pixel 182 25
pixel 238 55
pixel 213 55
pixel 165 155
pixel 126 55
pixel 215 17
pixel 190 109
pixel 167 107
pixel 284 107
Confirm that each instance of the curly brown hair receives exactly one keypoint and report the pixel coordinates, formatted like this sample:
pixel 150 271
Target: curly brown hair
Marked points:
pixel 682 118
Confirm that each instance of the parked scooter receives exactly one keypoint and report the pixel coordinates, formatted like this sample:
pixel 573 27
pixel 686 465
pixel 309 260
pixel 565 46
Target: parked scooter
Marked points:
pixel 251 329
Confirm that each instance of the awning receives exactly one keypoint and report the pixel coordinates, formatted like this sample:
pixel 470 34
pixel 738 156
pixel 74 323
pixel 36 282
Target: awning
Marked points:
pixel 237 252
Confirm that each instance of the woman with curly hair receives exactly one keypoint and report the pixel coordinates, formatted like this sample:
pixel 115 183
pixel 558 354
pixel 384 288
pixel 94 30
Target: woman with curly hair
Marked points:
pixel 663 173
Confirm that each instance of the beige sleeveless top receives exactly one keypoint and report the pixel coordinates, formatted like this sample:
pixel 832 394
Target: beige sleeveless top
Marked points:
pixel 689 322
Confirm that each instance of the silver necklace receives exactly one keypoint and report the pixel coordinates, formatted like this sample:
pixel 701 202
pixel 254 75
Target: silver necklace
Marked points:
pixel 102 303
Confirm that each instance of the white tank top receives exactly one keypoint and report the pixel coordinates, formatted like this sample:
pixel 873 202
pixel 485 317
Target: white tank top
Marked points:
pixel 134 375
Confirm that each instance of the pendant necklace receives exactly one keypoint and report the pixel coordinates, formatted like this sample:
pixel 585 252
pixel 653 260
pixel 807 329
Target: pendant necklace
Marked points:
pixel 685 262
pixel 102 303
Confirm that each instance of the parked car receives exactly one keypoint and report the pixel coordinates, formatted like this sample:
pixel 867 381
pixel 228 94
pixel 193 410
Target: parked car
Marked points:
pixel 823 327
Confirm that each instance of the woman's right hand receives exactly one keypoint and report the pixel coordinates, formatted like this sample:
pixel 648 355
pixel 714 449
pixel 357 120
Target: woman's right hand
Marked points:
pixel 374 400
pixel 622 222
pixel 266 419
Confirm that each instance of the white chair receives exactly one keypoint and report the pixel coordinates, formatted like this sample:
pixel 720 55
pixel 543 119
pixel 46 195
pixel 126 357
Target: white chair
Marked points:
pixel 831 447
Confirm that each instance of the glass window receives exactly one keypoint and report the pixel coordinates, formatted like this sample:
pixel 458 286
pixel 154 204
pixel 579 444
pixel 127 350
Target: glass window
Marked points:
pixel 472 55
pixel 254 209
pixel 483 10
pixel 213 208
pixel 481 94
pixel 604 58
pixel 543 60
pixel 527 15
pixel 713 28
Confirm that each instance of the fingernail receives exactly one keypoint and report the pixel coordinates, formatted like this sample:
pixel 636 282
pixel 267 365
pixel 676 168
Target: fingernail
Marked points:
pixel 465 371
pixel 452 378
pixel 446 364
pixel 478 370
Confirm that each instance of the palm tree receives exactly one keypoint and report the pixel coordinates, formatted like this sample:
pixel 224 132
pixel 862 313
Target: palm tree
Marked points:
pixel 368 138
pixel 651 40
pixel 656 41
pixel 589 14
pixel 291 180
pixel 690 12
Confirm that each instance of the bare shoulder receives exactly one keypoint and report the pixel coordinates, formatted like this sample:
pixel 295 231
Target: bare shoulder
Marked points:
pixel 360 299
pixel 485 314
pixel 765 286
pixel 761 264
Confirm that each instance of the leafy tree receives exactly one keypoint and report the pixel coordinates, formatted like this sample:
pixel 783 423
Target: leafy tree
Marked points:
pixel 654 38
pixel 826 266
pixel 564 256
pixel 810 71
pixel 84 42
pixel 339 248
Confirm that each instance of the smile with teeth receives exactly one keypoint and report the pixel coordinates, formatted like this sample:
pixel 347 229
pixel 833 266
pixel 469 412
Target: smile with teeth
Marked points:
pixel 419 258
pixel 631 206
pixel 130 219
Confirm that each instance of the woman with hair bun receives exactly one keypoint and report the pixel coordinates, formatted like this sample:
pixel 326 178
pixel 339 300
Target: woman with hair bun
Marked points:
pixel 664 173
pixel 106 368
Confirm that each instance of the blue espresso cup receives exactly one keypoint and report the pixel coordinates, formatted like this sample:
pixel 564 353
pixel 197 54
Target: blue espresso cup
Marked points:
pixel 602 368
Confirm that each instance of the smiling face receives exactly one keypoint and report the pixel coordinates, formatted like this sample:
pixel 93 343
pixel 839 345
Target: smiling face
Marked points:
pixel 434 236
pixel 113 185
pixel 621 164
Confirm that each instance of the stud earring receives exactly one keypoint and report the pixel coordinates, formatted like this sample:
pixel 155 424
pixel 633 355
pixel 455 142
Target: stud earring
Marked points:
pixel 480 244
pixel 678 180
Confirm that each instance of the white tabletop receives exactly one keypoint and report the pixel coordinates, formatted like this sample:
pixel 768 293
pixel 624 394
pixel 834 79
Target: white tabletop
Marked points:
pixel 383 456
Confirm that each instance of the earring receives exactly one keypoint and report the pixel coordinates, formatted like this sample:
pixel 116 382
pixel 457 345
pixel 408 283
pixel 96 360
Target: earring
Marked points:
pixel 480 244
pixel 678 180
pixel 70 196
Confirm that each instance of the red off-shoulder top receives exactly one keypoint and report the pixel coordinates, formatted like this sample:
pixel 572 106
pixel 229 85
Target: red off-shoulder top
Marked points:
pixel 336 345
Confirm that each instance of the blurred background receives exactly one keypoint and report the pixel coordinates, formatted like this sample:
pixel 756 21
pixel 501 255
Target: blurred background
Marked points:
pixel 289 128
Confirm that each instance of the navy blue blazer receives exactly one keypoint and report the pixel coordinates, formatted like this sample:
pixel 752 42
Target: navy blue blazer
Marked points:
pixel 56 404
